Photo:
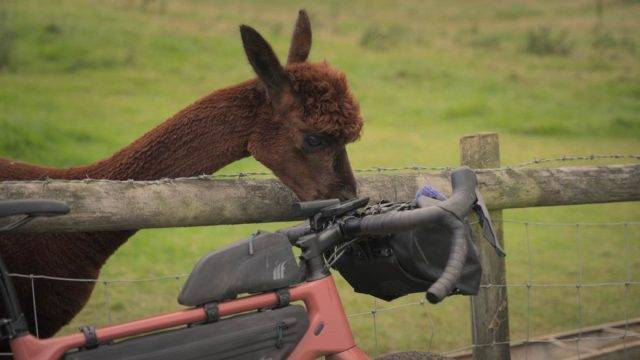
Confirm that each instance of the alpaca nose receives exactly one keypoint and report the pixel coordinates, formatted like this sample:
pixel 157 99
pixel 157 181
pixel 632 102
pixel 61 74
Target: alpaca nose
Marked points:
pixel 342 168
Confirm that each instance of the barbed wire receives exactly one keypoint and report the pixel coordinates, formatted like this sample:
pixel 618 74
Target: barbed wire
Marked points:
pixel 589 157
pixel 534 161
pixel 373 169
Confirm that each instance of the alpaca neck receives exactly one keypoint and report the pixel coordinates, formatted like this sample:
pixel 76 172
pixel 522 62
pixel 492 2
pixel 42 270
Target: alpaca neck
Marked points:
pixel 200 139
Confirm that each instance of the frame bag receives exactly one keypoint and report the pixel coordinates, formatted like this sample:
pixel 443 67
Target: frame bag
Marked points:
pixel 269 334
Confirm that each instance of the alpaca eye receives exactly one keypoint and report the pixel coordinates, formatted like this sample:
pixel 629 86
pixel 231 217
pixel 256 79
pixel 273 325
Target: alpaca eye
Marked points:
pixel 313 141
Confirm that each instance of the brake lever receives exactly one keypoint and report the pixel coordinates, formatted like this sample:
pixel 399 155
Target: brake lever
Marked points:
pixel 488 231
pixel 329 214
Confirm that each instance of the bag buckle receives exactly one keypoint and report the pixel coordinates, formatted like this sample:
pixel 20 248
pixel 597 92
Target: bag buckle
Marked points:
pixel 284 296
pixel 90 337
pixel 212 312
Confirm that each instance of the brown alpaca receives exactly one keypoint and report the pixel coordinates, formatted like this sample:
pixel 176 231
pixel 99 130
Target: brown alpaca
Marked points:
pixel 295 120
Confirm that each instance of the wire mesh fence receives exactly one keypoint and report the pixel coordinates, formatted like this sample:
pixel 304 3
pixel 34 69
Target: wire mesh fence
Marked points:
pixel 621 274
pixel 623 308
pixel 580 259
pixel 605 261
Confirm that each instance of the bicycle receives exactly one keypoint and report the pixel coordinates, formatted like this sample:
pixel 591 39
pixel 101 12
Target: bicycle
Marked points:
pixel 265 324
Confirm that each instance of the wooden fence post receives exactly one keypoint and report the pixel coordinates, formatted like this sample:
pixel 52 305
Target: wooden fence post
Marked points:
pixel 489 309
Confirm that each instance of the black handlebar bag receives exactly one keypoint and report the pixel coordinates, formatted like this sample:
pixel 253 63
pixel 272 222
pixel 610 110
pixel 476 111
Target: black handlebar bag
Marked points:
pixel 394 265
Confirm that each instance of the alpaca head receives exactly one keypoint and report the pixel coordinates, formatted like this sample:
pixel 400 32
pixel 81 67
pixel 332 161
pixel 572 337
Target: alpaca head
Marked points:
pixel 311 116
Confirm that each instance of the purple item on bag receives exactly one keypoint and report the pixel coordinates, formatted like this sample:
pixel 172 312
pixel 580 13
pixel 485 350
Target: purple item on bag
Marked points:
pixel 430 192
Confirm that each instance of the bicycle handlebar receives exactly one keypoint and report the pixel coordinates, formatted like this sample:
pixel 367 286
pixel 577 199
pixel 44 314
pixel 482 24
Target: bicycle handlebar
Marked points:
pixel 33 207
pixel 451 213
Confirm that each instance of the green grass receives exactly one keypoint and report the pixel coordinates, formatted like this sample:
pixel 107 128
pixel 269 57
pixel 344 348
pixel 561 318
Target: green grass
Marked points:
pixel 79 79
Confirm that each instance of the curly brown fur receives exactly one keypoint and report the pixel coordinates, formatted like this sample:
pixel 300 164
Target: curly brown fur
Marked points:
pixel 326 101
pixel 271 118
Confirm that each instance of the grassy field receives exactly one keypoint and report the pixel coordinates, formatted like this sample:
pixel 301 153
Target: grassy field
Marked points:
pixel 79 79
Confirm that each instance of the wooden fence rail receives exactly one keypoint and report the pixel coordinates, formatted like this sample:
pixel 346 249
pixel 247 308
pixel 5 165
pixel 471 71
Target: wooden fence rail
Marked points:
pixel 122 205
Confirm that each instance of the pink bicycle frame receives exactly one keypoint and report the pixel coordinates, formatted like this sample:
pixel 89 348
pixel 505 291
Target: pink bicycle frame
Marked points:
pixel 328 335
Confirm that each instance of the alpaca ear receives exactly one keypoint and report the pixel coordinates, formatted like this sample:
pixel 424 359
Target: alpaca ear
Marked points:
pixel 301 39
pixel 263 60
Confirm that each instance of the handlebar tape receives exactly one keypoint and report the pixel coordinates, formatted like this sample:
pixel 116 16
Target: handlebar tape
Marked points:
pixel 463 196
pixel 447 281
pixel 394 221
pixel 451 213
pixel 310 208
pixel 402 221
pixel 459 204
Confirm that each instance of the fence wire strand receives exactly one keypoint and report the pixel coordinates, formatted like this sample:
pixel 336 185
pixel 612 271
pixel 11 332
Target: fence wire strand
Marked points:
pixel 579 287
pixel 107 301
pixel 529 281
pixel 35 308
pixel 627 301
